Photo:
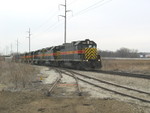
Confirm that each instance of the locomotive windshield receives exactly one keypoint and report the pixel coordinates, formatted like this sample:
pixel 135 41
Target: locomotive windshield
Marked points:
pixel 84 45
pixel 88 46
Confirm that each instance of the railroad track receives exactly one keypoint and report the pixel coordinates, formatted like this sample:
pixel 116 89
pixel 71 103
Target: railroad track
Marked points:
pixel 119 73
pixel 135 75
pixel 55 83
pixel 49 93
pixel 143 96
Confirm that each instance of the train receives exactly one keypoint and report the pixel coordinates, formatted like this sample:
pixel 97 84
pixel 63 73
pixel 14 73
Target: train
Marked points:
pixel 77 54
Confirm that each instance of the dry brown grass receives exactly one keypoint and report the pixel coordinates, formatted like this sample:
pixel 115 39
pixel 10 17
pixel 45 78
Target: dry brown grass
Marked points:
pixel 136 66
pixel 15 74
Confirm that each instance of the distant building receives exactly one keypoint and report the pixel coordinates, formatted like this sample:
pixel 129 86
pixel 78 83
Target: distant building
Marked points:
pixel 144 55
pixel 141 56
pixel 147 56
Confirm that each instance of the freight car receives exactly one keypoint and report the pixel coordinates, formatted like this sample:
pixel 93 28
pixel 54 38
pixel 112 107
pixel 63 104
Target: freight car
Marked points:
pixel 77 54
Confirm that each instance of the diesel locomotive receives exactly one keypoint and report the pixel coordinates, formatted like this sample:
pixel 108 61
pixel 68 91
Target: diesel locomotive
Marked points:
pixel 77 54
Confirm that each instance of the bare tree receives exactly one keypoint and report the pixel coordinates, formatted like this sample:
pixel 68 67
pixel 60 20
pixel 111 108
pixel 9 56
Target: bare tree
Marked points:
pixel 127 53
pixel 122 52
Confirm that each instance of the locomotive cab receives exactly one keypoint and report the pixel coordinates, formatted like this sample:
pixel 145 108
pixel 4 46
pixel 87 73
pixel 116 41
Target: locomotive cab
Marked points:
pixel 90 51
pixel 89 55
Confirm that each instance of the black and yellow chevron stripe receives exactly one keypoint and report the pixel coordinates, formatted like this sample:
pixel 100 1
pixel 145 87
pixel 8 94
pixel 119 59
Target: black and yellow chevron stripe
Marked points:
pixel 90 53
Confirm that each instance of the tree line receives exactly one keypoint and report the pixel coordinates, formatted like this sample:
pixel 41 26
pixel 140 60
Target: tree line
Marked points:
pixel 122 52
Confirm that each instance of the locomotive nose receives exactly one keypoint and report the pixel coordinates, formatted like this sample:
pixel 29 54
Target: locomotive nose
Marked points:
pixel 90 53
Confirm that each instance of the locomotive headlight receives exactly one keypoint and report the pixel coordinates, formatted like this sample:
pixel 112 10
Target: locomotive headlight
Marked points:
pixel 86 60
pixel 99 60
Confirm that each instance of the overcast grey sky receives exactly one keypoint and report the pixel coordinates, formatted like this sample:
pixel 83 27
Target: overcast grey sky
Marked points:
pixel 112 24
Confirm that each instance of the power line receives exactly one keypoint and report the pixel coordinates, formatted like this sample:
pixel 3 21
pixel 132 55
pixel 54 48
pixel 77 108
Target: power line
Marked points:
pixel 48 29
pixel 50 18
pixel 52 27
pixel 72 2
pixel 45 23
pixel 101 4
pixel 78 13
pixel 56 23
pixel 93 6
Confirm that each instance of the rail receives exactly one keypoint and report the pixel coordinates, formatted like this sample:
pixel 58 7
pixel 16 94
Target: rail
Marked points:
pixel 55 83
pixel 114 91
pixel 78 86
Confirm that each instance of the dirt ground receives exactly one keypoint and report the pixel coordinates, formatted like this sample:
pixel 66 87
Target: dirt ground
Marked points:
pixel 33 99
pixel 36 102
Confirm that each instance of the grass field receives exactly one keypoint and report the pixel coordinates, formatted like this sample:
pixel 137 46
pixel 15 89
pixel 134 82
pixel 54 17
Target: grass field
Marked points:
pixel 16 74
pixel 20 75
pixel 135 66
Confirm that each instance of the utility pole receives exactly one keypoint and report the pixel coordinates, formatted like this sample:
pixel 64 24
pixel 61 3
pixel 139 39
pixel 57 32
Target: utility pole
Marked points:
pixel 17 46
pixel 65 16
pixel 11 49
pixel 29 39
pixel 65 22
pixel 7 50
